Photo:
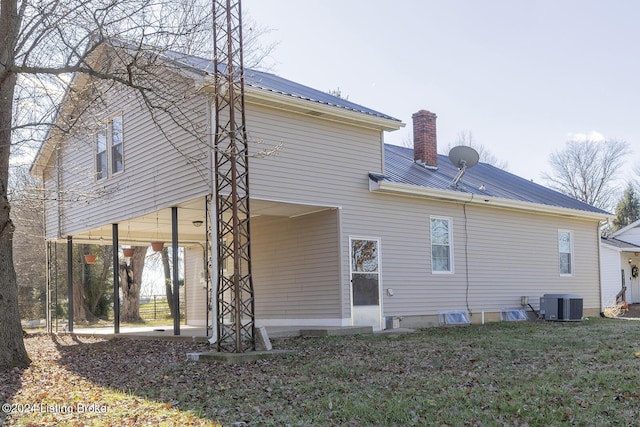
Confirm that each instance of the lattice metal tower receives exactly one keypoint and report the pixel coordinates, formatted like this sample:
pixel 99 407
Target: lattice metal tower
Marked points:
pixel 235 299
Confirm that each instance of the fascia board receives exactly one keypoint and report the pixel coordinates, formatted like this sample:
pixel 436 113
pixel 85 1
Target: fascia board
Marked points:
pixel 453 196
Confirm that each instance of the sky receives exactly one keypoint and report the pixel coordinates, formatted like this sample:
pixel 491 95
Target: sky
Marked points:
pixel 522 77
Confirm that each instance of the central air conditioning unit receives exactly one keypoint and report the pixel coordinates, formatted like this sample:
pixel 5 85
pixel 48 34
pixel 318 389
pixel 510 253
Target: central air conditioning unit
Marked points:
pixel 561 307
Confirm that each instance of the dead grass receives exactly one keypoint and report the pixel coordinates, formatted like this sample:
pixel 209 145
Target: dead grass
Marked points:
pixel 541 373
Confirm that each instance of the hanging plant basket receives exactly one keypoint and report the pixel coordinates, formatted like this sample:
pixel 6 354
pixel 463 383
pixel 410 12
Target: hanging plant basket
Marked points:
pixel 90 258
pixel 157 246
pixel 128 252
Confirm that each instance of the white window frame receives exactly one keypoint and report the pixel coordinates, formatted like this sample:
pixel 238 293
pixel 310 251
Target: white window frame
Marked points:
pixel 106 132
pixel 561 252
pixel 449 220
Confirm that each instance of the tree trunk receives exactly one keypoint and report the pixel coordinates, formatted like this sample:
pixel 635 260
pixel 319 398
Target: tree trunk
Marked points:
pixel 106 267
pixel 81 310
pixel 167 279
pixel 131 281
pixel 12 350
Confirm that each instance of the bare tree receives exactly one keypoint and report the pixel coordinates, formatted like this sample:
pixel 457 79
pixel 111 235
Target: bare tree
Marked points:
pixel 486 156
pixel 587 170
pixel 29 251
pixel 82 51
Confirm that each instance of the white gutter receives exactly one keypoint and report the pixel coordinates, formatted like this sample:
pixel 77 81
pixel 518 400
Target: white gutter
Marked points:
pixel 318 109
pixel 480 200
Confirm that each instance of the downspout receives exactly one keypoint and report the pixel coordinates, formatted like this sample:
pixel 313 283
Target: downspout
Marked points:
pixel 598 233
pixel 211 262
pixel 58 190
pixel 341 260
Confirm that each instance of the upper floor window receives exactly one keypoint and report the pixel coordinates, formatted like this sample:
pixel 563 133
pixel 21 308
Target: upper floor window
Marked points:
pixel 110 148
pixel 441 245
pixel 101 153
pixel 116 144
pixel 565 250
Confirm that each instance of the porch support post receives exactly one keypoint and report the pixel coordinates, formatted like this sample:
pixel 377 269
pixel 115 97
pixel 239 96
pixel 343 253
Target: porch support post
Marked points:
pixel 116 280
pixel 48 287
pixel 70 282
pixel 176 284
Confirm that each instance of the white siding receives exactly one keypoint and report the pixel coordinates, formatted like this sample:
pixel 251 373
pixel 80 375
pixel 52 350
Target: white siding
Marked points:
pixel 611 276
pixel 195 286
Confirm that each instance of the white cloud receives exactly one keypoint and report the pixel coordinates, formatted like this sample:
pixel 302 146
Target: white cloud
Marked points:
pixel 589 136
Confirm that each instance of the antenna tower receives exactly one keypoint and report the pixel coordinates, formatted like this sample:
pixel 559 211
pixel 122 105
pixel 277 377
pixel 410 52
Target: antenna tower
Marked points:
pixel 235 299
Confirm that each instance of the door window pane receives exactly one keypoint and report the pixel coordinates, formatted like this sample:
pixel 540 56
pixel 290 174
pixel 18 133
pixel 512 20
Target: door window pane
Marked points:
pixel 364 255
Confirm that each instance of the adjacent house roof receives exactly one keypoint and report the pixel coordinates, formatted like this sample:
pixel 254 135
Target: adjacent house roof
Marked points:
pixel 481 183
pixel 627 228
pixel 620 244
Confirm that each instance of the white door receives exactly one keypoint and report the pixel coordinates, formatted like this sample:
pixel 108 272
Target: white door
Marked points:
pixel 635 289
pixel 365 282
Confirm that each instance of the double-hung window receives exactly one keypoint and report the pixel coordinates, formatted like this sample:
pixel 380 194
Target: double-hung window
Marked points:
pixel 565 251
pixel 110 148
pixel 441 245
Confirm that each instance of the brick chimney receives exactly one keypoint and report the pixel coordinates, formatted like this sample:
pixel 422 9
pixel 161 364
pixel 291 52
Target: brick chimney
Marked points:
pixel 425 141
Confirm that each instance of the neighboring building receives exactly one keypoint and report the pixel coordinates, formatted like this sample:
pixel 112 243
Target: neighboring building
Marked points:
pixel 346 230
pixel 619 261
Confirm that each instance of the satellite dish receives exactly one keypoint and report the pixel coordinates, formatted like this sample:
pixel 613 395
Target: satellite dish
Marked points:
pixel 462 157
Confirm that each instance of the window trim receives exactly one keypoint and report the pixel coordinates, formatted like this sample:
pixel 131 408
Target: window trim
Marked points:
pixel 112 145
pixel 101 157
pixel 571 250
pixel 449 220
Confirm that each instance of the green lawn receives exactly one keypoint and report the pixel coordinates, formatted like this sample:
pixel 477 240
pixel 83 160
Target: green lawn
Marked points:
pixel 512 374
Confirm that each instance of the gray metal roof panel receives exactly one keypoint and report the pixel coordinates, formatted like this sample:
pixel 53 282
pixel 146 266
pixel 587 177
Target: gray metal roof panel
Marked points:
pixel 276 84
pixel 482 179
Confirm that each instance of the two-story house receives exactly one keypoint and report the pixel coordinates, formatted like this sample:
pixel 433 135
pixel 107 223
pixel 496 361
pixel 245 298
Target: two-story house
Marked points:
pixel 345 229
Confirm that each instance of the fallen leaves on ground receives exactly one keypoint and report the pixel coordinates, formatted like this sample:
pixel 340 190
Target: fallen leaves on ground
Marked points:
pixel 542 373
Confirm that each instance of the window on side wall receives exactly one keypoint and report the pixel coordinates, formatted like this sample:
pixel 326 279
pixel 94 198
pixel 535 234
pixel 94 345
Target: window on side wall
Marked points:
pixel 565 250
pixel 110 148
pixel 101 153
pixel 441 245
pixel 116 144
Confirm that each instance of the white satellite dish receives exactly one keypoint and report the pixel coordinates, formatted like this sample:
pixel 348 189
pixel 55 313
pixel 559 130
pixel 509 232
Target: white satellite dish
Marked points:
pixel 462 157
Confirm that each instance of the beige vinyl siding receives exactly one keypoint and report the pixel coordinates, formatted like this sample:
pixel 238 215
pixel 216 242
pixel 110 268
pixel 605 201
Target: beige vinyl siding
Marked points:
pixel 301 264
pixel 320 163
pixel 195 286
pixel 510 254
pixel 296 266
pixel 157 172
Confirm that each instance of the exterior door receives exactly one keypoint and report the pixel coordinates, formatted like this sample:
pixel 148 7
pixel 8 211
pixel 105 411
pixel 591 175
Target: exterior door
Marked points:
pixel 365 282
pixel 635 289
